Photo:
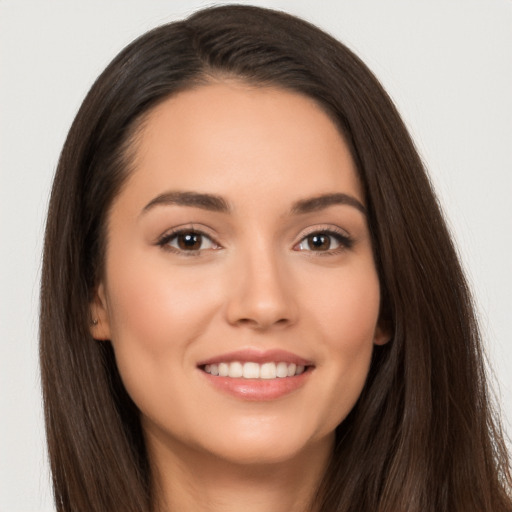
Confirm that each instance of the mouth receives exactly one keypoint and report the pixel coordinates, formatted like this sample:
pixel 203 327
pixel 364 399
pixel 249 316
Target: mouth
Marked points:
pixel 257 375
pixel 253 370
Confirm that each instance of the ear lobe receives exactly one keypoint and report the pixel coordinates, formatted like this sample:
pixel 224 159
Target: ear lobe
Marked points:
pixel 381 336
pixel 99 322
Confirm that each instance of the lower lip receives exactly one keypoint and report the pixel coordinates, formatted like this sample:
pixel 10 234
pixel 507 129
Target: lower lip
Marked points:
pixel 258 389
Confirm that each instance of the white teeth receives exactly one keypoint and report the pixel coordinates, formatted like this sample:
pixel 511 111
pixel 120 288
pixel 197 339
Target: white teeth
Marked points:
pixel 268 371
pixel 252 370
pixel 282 370
pixel 291 369
pixel 236 370
pixel 223 369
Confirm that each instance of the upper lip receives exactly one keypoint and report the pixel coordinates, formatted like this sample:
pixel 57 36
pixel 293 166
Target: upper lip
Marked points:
pixel 257 356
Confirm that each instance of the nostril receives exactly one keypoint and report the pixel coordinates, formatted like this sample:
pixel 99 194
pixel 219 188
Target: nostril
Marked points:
pixel 246 321
pixel 261 323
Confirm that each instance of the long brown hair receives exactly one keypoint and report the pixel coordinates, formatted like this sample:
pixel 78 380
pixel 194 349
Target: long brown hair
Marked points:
pixel 423 435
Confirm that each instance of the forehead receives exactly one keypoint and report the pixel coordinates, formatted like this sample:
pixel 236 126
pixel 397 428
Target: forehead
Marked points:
pixel 224 137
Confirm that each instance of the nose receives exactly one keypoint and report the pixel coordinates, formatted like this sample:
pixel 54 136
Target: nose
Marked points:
pixel 262 294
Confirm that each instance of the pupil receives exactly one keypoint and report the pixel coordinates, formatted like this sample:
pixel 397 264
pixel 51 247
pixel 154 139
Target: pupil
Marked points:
pixel 319 242
pixel 189 241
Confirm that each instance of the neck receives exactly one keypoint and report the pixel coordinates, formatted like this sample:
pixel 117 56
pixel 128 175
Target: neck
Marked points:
pixel 185 479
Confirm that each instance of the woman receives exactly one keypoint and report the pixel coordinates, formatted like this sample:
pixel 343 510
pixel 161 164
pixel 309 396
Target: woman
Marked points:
pixel 249 294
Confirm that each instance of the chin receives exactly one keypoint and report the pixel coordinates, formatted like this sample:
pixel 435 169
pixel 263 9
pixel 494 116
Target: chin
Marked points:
pixel 264 447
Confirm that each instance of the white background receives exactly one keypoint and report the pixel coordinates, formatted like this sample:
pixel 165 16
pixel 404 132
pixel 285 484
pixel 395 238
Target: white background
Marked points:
pixel 446 63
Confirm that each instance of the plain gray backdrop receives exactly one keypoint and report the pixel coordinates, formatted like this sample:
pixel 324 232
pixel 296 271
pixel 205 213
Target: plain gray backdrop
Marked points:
pixel 446 64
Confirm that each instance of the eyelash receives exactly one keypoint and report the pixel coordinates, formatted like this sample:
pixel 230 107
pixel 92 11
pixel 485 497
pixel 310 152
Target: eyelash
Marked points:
pixel 165 240
pixel 345 242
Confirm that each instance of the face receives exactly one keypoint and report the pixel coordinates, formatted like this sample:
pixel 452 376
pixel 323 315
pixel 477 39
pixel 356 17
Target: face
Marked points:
pixel 240 292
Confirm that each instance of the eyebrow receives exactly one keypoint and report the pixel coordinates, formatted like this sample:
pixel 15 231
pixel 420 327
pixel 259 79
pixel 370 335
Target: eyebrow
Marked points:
pixel 217 203
pixel 209 202
pixel 317 203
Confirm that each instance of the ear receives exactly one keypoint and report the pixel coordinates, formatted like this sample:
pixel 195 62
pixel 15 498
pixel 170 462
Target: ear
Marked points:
pixel 99 322
pixel 382 334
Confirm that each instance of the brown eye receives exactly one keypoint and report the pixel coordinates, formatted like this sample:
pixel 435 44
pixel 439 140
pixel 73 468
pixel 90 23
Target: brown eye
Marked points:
pixel 189 241
pixel 319 242
pixel 324 241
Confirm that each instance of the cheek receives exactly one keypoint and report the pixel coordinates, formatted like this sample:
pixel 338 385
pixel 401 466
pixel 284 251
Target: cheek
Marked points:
pixel 346 306
pixel 351 320
pixel 155 315
pixel 150 302
pixel 345 315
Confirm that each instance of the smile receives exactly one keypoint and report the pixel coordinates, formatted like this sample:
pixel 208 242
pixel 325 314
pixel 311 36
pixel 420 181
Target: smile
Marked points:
pixel 253 370
pixel 257 375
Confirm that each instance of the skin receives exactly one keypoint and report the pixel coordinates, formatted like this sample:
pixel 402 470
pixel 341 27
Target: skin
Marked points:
pixel 257 283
